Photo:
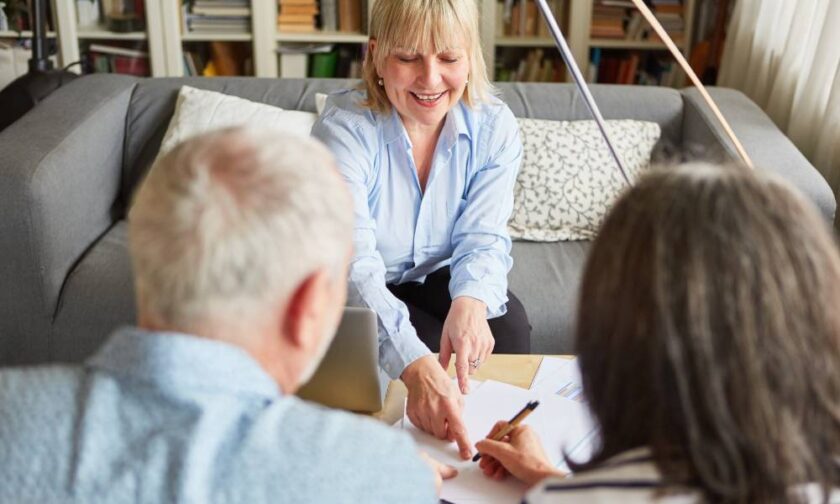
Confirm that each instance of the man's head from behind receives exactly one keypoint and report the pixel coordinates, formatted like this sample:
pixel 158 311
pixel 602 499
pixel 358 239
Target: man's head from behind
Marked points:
pixel 244 237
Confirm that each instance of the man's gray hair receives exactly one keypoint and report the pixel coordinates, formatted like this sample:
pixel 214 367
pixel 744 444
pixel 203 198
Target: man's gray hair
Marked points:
pixel 229 222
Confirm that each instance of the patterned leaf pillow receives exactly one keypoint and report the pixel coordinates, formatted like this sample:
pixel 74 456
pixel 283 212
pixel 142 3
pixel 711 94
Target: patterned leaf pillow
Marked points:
pixel 568 179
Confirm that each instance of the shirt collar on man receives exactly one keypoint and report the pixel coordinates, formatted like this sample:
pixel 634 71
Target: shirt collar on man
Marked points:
pixel 182 363
pixel 454 126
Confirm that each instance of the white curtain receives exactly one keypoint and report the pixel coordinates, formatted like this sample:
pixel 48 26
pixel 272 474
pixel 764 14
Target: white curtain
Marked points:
pixel 785 55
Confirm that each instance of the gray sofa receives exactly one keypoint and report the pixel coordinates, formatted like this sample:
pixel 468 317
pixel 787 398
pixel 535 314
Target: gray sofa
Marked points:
pixel 68 169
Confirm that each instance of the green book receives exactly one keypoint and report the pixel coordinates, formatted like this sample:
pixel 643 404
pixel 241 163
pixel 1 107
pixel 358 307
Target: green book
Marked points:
pixel 323 64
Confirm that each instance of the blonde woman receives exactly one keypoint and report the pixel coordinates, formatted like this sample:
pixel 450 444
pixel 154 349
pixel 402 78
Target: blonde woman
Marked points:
pixel 709 346
pixel 431 157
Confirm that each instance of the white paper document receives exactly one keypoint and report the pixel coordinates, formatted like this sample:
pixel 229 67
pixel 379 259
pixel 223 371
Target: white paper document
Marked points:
pixel 559 376
pixel 563 425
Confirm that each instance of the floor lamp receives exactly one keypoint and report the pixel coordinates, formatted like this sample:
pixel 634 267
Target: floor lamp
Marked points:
pixel 28 90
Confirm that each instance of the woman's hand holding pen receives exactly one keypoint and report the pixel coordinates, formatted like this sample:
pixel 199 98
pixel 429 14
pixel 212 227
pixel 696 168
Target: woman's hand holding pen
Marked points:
pixel 467 333
pixel 520 453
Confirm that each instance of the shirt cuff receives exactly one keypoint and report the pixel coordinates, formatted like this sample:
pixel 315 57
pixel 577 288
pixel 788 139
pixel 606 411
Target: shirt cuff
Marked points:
pixel 496 305
pixel 399 350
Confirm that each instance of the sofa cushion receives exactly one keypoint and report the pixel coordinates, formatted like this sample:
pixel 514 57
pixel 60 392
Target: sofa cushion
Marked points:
pixel 546 277
pixel 200 111
pixel 97 297
pixel 98 294
pixel 153 104
pixel 568 179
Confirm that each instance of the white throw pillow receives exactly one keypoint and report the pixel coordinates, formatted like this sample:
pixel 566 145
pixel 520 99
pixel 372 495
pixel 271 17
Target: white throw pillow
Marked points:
pixel 568 180
pixel 199 111
pixel 320 102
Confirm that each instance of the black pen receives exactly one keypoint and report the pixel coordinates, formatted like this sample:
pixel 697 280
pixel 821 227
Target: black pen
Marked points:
pixel 514 422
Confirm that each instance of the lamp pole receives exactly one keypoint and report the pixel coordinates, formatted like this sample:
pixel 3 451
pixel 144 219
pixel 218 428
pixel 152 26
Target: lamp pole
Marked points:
pixel 580 82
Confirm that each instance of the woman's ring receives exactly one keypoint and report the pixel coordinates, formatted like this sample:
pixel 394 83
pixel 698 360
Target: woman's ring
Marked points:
pixel 475 363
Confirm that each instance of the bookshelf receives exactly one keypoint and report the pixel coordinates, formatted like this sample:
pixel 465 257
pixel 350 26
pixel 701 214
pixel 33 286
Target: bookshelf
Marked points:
pixel 140 52
pixel 514 51
pixel 329 45
pixel 269 44
pixel 11 34
pixel 521 46
pixel 15 40
pixel 622 48
pixel 226 33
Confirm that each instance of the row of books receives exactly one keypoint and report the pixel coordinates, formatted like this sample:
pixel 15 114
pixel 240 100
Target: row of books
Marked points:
pixel 102 58
pixel 218 58
pixel 321 60
pixel 217 16
pixel 534 65
pixel 19 19
pixel 327 15
pixel 619 19
pixel 522 18
pixel 123 16
pixel 671 15
pixel 635 67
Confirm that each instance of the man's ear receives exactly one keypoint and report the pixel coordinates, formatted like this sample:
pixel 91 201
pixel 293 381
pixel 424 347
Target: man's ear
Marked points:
pixel 305 309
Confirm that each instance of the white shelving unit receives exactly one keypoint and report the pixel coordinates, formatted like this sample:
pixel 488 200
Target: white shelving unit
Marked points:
pixel 578 14
pixel 9 34
pixel 71 35
pixel 165 39
pixel 94 34
pixel 585 18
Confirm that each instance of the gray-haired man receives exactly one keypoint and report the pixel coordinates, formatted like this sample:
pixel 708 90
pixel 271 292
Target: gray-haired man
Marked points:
pixel 240 243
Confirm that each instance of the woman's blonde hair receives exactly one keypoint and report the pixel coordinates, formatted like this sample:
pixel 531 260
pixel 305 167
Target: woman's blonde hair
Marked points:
pixel 419 24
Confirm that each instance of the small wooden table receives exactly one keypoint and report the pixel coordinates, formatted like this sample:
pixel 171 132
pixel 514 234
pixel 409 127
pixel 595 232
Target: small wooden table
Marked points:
pixel 516 370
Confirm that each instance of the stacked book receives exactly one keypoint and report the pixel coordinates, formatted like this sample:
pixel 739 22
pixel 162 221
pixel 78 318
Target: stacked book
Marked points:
pixel 636 67
pixel 608 19
pixel 297 16
pixel 351 14
pixel 219 16
pixel 522 18
pixel 321 60
pixel 671 14
pixel 614 67
pixel 536 65
pixel 116 59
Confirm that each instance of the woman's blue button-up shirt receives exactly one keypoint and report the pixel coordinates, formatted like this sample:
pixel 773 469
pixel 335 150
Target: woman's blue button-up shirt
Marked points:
pixel 402 233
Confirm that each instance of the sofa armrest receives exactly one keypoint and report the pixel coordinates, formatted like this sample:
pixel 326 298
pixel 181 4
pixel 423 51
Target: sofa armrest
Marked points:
pixel 768 147
pixel 60 168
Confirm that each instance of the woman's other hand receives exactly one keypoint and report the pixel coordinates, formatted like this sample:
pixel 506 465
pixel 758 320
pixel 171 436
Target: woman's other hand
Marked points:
pixel 434 403
pixel 520 453
pixel 466 333
pixel 440 470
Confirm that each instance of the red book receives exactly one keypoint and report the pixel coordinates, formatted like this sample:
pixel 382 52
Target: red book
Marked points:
pixel 131 66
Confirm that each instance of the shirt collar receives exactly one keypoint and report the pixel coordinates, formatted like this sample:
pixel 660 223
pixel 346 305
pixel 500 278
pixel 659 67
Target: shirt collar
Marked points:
pixel 178 362
pixel 640 454
pixel 454 126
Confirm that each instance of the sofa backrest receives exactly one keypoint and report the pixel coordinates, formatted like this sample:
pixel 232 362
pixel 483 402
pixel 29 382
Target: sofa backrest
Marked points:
pixel 153 103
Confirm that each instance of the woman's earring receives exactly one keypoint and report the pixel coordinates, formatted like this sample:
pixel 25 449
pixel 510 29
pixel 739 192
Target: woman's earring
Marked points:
pixel 380 82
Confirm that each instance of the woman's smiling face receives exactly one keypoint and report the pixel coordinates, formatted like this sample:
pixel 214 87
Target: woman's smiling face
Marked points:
pixel 424 86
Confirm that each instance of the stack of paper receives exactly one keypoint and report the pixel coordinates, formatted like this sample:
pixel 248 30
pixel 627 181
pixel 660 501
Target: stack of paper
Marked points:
pixel 562 422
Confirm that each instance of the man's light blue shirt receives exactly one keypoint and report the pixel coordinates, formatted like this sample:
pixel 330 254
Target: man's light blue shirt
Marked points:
pixel 402 233
pixel 160 418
